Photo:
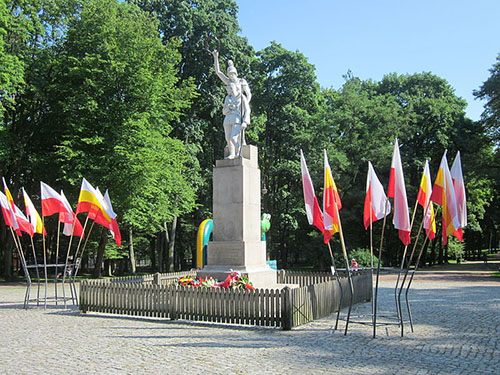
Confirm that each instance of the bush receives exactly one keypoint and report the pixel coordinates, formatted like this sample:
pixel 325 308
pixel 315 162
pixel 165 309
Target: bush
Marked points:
pixel 455 249
pixel 362 257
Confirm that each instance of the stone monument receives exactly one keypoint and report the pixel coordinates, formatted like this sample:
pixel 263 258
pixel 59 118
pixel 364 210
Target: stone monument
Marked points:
pixel 237 244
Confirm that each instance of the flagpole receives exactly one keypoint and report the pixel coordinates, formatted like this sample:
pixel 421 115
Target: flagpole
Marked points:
pixel 378 267
pixel 44 260
pixel 85 244
pixel 417 263
pixel 335 273
pixel 23 264
pixel 371 254
pixel 75 269
pixel 348 269
pixel 398 296
pixel 398 302
pixel 57 257
pixel 37 271
pixel 66 263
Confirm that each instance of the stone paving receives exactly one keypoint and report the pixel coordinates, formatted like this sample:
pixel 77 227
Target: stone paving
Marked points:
pixel 457 331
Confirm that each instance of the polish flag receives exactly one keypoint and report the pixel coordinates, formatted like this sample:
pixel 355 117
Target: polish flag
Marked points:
pixel 376 202
pixel 459 187
pixel 52 202
pixel 69 219
pixel 314 215
pixel 397 190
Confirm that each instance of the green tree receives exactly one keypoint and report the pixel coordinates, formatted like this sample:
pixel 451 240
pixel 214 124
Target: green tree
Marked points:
pixel 287 104
pixel 116 98
pixel 29 34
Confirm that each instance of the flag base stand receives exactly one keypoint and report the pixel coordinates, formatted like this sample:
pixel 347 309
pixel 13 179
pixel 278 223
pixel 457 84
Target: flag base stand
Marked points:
pixel 374 319
pixel 57 283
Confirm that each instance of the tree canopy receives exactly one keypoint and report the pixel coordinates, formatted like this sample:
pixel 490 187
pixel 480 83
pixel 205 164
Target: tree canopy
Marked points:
pixel 124 94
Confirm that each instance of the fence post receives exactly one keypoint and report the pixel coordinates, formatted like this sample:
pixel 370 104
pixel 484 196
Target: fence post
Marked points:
pixel 156 279
pixel 83 296
pixel 286 309
pixel 172 294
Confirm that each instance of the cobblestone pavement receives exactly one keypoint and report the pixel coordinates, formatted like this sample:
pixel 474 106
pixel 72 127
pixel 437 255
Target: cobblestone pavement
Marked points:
pixel 457 331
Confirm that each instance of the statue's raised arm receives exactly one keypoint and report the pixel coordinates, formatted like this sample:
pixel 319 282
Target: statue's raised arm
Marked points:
pixel 221 75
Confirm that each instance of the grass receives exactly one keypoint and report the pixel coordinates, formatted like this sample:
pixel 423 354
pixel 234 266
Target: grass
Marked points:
pixel 496 274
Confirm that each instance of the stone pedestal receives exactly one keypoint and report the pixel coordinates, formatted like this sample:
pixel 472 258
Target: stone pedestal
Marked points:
pixel 237 241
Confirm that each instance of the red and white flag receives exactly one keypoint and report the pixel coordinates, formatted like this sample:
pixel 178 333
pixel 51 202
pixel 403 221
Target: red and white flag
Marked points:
pixel 23 222
pixel 314 215
pixel 11 209
pixel 69 219
pixel 397 190
pixel 52 201
pixel 376 203
pixel 459 187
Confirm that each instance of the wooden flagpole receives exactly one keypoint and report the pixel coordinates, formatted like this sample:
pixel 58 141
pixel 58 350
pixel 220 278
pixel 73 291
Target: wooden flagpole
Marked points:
pixel 57 257
pixel 37 271
pixel 398 305
pixel 378 267
pixel 348 269
pixel 44 260
pixel 336 274
pixel 417 262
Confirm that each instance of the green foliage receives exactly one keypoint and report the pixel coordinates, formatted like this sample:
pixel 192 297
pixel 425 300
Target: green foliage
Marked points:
pixel 455 248
pixel 118 98
pixel 363 258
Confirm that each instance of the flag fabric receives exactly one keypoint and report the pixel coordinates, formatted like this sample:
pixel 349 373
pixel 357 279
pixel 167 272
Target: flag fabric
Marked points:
pixel 331 203
pixel 114 229
pixel 6 211
pixel 314 215
pixel 33 215
pixel 376 203
pixel 69 219
pixel 397 190
pixel 52 201
pixel 11 208
pixel 423 198
pixel 459 187
pixel 23 222
pixel 443 193
pixel 96 214
pixel 89 201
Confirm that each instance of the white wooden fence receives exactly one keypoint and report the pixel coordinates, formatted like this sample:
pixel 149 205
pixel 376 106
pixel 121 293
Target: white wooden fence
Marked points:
pixel 153 296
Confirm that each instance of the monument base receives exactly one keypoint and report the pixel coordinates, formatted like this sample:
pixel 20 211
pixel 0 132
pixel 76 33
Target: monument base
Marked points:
pixel 259 276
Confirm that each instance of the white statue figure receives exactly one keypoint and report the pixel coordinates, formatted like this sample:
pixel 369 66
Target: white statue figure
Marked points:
pixel 236 107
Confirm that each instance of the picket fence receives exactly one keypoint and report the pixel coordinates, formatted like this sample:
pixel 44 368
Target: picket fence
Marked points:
pixel 313 296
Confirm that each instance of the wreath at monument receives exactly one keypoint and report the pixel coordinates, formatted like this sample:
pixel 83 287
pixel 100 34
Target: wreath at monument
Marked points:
pixel 234 280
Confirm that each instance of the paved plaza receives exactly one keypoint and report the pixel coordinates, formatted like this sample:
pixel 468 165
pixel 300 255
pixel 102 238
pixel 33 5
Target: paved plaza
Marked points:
pixel 457 331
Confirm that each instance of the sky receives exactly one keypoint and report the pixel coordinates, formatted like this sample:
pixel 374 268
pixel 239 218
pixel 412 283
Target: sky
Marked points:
pixel 457 40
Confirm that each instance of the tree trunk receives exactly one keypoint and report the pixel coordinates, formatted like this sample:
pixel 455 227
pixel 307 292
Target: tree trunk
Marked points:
pixel 131 250
pixel 7 253
pixel 171 244
pixel 159 246
pixel 100 252
pixel 169 262
pixel 152 249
